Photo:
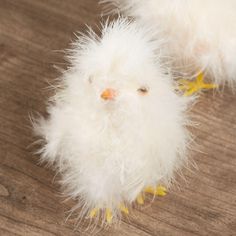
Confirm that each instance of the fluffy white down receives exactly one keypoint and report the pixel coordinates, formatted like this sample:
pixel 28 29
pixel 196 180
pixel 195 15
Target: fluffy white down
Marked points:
pixel 201 33
pixel 108 151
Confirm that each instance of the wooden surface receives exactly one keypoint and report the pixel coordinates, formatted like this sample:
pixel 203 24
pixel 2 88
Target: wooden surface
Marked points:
pixel 33 34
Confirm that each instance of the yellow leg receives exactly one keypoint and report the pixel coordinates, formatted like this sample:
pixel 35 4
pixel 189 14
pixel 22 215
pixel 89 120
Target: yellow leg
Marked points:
pixel 190 87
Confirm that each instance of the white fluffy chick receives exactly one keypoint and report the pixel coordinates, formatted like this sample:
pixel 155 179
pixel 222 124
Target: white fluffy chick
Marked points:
pixel 201 34
pixel 116 125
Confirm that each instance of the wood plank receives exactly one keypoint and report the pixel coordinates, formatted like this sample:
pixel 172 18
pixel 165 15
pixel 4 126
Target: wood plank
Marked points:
pixel 33 35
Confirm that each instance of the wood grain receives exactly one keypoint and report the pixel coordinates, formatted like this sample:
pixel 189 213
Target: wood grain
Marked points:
pixel 32 37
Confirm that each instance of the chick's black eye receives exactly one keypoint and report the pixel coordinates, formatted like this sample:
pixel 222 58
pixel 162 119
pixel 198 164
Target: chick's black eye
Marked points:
pixel 143 90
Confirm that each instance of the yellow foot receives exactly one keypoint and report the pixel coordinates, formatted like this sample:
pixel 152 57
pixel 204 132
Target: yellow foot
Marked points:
pixel 108 212
pixel 158 191
pixel 140 199
pixel 108 215
pixel 93 213
pixel 124 209
pixel 191 87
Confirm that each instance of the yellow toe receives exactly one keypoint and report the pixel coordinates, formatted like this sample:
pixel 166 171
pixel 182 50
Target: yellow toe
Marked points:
pixel 108 215
pixel 161 191
pixel 140 199
pixel 150 190
pixel 124 209
pixel 93 213
pixel 158 191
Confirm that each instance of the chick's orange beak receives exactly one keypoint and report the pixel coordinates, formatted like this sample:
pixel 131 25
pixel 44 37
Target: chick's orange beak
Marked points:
pixel 109 94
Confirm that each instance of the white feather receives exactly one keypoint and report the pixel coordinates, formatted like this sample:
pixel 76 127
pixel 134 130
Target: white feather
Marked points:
pixel 108 151
pixel 201 33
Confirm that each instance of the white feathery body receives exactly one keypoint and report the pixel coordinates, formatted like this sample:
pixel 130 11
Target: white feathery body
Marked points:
pixel 201 33
pixel 108 151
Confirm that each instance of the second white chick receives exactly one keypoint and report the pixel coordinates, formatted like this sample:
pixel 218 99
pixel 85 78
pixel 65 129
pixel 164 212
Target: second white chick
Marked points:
pixel 116 125
pixel 200 34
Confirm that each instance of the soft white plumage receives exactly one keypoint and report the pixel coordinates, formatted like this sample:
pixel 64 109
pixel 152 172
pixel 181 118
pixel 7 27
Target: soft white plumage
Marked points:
pixel 109 150
pixel 201 33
